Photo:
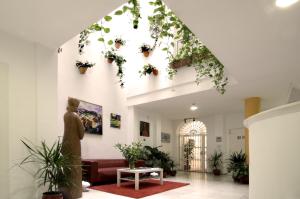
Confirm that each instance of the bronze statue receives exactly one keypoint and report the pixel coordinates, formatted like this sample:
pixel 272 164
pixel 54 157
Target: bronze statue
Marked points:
pixel 73 133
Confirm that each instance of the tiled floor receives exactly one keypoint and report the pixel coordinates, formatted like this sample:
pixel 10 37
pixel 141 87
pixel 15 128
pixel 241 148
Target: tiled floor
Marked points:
pixel 202 186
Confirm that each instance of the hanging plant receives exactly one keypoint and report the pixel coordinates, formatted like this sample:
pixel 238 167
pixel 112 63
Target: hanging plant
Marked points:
pixel 145 49
pixel 192 52
pixel 83 40
pixel 148 69
pixel 110 56
pixel 119 42
pixel 119 62
pixel 83 66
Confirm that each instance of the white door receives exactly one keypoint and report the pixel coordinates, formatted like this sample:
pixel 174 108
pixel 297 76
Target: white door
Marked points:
pixel 236 140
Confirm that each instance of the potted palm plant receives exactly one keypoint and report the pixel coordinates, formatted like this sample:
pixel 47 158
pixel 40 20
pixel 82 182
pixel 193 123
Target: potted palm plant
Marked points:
pixel 83 66
pixel 215 162
pixel 145 49
pixel 110 56
pixel 119 42
pixel 238 167
pixel 53 168
pixel 132 153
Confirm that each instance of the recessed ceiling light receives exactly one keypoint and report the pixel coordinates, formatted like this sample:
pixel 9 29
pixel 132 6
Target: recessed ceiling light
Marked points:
pixel 285 3
pixel 193 107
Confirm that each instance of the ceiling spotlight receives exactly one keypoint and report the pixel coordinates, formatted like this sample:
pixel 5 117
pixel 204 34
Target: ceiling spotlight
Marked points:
pixel 193 107
pixel 285 3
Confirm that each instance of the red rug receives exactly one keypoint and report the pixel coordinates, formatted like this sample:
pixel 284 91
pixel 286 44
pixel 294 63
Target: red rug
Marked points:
pixel 147 188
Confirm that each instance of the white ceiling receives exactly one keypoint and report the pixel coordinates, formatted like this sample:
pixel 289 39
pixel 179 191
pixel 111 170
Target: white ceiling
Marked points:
pixel 51 22
pixel 257 42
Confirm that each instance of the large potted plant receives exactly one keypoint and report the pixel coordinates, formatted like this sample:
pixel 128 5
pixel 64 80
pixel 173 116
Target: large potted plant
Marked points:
pixel 156 158
pixel 239 167
pixel 145 49
pixel 132 153
pixel 215 162
pixel 83 66
pixel 188 155
pixel 53 168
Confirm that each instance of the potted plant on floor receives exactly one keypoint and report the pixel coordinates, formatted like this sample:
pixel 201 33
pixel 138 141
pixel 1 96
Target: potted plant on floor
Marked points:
pixel 132 153
pixel 215 162
pixel 145 49
pixel 119 42
pixel 53 169
pixel 148 69
pixel 83 66
pixel 110 56
pixel 188 155
pixel 239 167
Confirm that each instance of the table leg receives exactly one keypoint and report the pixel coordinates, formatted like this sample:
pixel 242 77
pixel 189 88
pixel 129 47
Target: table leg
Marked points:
pixel 137 181
pixel 118 178
pixel 161 177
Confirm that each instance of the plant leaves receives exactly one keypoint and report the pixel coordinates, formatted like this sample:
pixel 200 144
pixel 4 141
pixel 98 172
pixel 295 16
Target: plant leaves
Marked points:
pixel 108 18
pixel 119 12
pixel 101 39
pixel 110 42
pixel 106 30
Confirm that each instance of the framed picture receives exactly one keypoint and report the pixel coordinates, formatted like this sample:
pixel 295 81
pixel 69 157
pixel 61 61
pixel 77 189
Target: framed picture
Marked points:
pixel 144 129
pixel 165 138
pixel 115 121
pixel 91 117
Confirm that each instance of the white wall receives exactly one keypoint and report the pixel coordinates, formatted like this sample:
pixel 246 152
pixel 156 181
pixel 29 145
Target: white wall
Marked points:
pixel 97 86
pixel 274 153
pixel 25 105
pixel 167 127
pixel 4 129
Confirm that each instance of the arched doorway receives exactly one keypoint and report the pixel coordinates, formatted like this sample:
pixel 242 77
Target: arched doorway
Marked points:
pixel 193 146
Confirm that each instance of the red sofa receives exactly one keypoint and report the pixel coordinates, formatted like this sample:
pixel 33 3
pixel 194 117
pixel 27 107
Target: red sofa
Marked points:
pixel 104 170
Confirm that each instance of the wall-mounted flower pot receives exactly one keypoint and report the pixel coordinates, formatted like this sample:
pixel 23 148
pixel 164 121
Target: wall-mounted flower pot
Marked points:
pixel 118 45
pixel 52 195
pixel 146 53
pixel 82 70
pixel 155 72
pixel 110 60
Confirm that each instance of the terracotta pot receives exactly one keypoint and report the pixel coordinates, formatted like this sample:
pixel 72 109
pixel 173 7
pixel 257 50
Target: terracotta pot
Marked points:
pixel 146 53
pixel 110 60
pixel 52 195
pixel 155 72
pixel 82 70
pixel 216 172
pixel 173 173
pixel 118 45
pixel 244 179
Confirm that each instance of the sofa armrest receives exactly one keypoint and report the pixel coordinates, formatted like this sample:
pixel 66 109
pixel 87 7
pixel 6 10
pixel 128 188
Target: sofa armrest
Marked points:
pixel 90 170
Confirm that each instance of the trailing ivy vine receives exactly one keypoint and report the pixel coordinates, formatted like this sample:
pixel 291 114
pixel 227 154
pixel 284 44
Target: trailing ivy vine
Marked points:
pixel 169 27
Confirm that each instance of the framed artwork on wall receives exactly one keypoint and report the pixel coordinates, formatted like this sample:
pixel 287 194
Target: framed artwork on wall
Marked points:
pixel 144 129
pixel 91 117
pixel 115 121
pixel 165 138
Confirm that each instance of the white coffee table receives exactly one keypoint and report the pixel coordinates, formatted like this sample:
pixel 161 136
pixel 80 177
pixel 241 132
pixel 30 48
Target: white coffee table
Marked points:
pixel 137 173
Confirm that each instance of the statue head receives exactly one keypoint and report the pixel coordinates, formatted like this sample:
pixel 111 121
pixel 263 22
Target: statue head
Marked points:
pixel 73 104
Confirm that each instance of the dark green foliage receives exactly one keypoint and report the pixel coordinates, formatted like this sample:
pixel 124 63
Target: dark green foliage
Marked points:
pixel 156 158
pixel 145 48
pixel 53 168
pixel 147 69
pixel 238 165
pixel 84 64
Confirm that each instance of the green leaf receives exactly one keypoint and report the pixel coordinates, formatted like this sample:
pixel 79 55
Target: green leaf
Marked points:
pixel 108 18
pixel 106 30
pixel 110 42
pixel 125 8
pixel 119 12
pixel 101 39
pixel 164 49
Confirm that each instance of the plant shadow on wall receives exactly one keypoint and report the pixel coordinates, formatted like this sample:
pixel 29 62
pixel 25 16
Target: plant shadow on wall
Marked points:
pixel 165 26
pixel 52 168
